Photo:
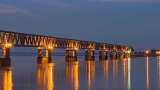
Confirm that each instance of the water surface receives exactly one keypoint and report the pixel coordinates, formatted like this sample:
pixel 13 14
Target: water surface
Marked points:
pixel 25 73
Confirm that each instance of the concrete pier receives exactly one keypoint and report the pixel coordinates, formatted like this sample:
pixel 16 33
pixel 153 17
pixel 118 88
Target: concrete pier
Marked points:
pixel 89 55
pixel 103 55
pixel 47 53
pixel 6 52
pixel 71 55
pixel 40 52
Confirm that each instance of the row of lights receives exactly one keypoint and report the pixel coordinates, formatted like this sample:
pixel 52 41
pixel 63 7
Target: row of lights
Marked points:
pixel 9 45
pixel 149 52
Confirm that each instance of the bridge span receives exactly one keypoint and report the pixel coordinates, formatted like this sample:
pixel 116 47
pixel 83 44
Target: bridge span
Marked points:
pixel 9 39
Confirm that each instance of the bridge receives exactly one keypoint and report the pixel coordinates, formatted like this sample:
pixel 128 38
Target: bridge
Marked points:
pixel 9 39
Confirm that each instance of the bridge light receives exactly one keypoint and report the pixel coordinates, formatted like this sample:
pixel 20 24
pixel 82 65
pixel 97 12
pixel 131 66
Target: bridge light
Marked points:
pixel 158 52
pixel 147 52
pixel 76 48
pixel 8 45
pixel 50 47
pixel 129 51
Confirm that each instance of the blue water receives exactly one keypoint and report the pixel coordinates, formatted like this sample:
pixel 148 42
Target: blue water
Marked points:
pixel 25 73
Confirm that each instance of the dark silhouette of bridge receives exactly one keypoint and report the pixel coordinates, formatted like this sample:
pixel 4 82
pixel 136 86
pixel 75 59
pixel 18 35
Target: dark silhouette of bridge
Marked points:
pixel 9 39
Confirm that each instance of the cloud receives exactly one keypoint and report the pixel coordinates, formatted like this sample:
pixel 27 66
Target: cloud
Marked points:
pixel 7 9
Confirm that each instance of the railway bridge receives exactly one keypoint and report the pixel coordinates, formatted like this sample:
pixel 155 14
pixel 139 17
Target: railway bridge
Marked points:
pixel 9 39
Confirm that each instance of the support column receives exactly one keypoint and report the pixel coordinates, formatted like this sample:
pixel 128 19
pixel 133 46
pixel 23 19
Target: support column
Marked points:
pixel 6 52
pixel 103 55
pixel 40 52
pixel 89 55
pixel 122 55
pixel 71 55
pixel 48 53
pixel 43 60
pixel 118 55
pixel 127 55
pixel 112 55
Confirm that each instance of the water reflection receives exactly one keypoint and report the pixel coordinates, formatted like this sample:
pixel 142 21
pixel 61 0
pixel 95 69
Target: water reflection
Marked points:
pixel 124 71
pixel 115 69
pixel 6 75
pixel 158 65
pixel 45 75
pixel 147 74
pixel 129 74
pixel 72 75
pixel 90 70
pixel 113 74
pixel 105 68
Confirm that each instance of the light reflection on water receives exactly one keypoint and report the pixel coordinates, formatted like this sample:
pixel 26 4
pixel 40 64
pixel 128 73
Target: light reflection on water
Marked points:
pixel 147 73
pixel 71 71
pixel 45 76
pixel 82 74
pixel 90 70
pixel 129 73
pixel 6 81
pixel 158 70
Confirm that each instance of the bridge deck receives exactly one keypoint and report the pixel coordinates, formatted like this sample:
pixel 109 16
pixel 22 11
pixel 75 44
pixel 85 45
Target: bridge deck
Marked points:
pixel 33 40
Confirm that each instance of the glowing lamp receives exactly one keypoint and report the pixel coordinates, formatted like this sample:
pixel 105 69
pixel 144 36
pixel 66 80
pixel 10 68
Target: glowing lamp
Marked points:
pixel 158 52
pixel 49 47
pixel 8 45
pixel 147 51
pixel 76 48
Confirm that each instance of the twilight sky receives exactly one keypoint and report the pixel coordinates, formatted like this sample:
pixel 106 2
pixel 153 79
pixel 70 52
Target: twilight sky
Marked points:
pixel 133 22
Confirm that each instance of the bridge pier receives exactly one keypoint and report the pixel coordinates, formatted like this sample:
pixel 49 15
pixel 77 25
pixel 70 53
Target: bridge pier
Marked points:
pixel 40 52
pixel 89 55
pixel 48 53
pixel 6 52
pixel 125 54
pixel 71 55
pixel 103 55
pixel 113 55
pixel 118 55
pixel 122 55
pixel 42 60
pixel 5 62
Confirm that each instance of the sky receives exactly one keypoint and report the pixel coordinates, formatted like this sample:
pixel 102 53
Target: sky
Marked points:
pixel 132 22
